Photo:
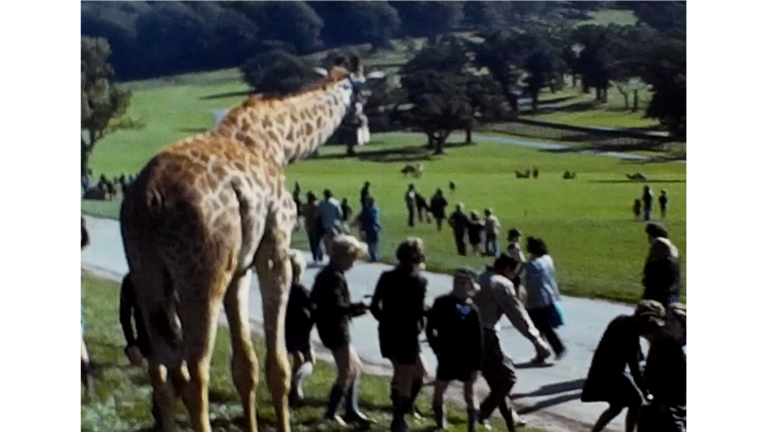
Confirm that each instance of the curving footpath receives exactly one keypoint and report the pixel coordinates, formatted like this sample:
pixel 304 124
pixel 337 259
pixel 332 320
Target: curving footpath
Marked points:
pixel 548 396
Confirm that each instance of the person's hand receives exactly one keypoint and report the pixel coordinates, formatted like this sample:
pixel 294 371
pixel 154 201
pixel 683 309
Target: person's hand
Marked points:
pixel 474 376
pixel 359 309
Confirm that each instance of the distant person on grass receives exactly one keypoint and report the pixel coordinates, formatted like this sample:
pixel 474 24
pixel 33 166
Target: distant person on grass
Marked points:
pixel 637 209
pixel 542 294
pixel 370 225
pixel 663 202
pixel 298 326
pixel 661 274
pixel 422 208
pixel 492 228
pixel 455 334
pixel 346 213
pixel 313 226
pixel 475 230
pixel 437 206
pixel 410 204
pixel 459 222
pixel 647 202
pixel 365 192
pixel 398 305
pixel 85 362
pixel 330 214
pixel 513 244
pixel 608 381
pixel 333 313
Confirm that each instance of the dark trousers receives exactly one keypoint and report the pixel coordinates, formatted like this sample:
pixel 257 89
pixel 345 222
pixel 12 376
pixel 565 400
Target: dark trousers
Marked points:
pixel 498 371
pixel 411 216
pixel 647 211
pixel 542 319
pixel 314 246
pixel 461 247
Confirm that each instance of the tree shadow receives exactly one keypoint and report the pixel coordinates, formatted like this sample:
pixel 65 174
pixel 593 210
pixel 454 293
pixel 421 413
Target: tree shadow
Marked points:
pixel 192 130
pixel 532 365
pixel 226 95
pixel 626 181
pixel 656 159
pixel 393 155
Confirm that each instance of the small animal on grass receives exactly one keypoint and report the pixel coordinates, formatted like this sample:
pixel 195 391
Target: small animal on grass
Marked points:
pixel 636 177
pixel 535 172
pixel 413 170
pixel 636 208
pixel 520 174
pixel 569 175
pixel 452 186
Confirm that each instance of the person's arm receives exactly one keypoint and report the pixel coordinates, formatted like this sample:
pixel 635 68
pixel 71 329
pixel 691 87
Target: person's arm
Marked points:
pixel 476 350
pixel 433 323
pixel 424 309
pixel 377 297
pixel 635 359
pixel 510 305
pixel 126 309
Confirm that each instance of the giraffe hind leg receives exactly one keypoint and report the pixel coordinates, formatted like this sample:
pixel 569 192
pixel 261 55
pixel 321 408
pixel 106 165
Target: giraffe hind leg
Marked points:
pixel 199 315
pixel 274 274
pixel 245 366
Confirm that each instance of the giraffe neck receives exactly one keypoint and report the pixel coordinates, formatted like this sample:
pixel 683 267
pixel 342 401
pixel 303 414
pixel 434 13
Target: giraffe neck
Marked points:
pixel 293 128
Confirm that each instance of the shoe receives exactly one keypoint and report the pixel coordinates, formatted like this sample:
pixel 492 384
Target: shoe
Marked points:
pixel 398 418
pixel 335 421
pixel 352 412
pixel 559 356
pixel 519 420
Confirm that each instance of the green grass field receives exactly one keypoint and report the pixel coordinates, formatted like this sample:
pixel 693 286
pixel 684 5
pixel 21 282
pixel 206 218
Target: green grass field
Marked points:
pixel 598 248
pixel 122 401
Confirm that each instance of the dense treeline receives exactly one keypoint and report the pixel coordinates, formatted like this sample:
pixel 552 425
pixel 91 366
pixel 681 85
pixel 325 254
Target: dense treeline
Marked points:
pixel 151 39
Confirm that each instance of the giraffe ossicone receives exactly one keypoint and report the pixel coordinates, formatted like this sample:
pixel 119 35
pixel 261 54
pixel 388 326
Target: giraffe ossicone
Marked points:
pixel 201 216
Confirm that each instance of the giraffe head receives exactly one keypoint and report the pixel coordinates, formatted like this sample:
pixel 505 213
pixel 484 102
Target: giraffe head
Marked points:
pixel 350 71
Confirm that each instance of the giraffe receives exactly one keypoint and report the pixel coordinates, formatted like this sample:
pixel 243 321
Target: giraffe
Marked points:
pixel 206 211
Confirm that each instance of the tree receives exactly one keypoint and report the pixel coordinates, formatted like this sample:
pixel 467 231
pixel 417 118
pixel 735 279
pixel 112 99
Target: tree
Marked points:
pixel 430 18
pixel 294 22
pixel 277 72
pixel 358 22
pixel 436 84
pixel 486 14
pixel 664 69
pixel 498 54
pixel 103 104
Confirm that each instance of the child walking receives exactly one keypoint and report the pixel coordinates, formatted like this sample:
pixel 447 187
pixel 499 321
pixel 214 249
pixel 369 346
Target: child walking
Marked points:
pixel 455 334
pixel 298 326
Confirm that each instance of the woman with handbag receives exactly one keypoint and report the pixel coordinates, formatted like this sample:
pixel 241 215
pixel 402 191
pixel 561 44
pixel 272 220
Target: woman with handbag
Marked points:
pixel 543 295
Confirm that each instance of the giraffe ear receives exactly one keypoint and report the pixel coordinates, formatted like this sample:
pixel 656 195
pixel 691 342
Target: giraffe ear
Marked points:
pixel 320 71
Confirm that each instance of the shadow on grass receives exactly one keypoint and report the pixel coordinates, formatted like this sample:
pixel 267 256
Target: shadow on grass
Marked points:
pixel 548 403
pixel 364 404
pixel 192 130
pixel 226 95
pixel 553 389
pixel 605 146
pixel 638 182
pixel 656 159
pixel 392 155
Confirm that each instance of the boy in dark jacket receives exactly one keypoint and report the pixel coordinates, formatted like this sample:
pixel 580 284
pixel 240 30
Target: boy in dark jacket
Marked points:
pixel 455 334
pixel 298 327
pixel 398 305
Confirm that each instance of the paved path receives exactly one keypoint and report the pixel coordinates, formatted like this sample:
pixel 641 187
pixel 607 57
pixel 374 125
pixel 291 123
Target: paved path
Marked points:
pixel 554 390
pixel 550 146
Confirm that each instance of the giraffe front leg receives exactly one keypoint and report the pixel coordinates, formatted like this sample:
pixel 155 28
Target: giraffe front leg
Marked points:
pixel 274 275
pixel 245 366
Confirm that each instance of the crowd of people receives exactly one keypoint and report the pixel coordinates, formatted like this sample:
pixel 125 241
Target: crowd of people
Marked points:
pixel 461 327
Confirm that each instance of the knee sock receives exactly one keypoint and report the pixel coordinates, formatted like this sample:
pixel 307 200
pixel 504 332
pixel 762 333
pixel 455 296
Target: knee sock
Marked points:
pixel 301 374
